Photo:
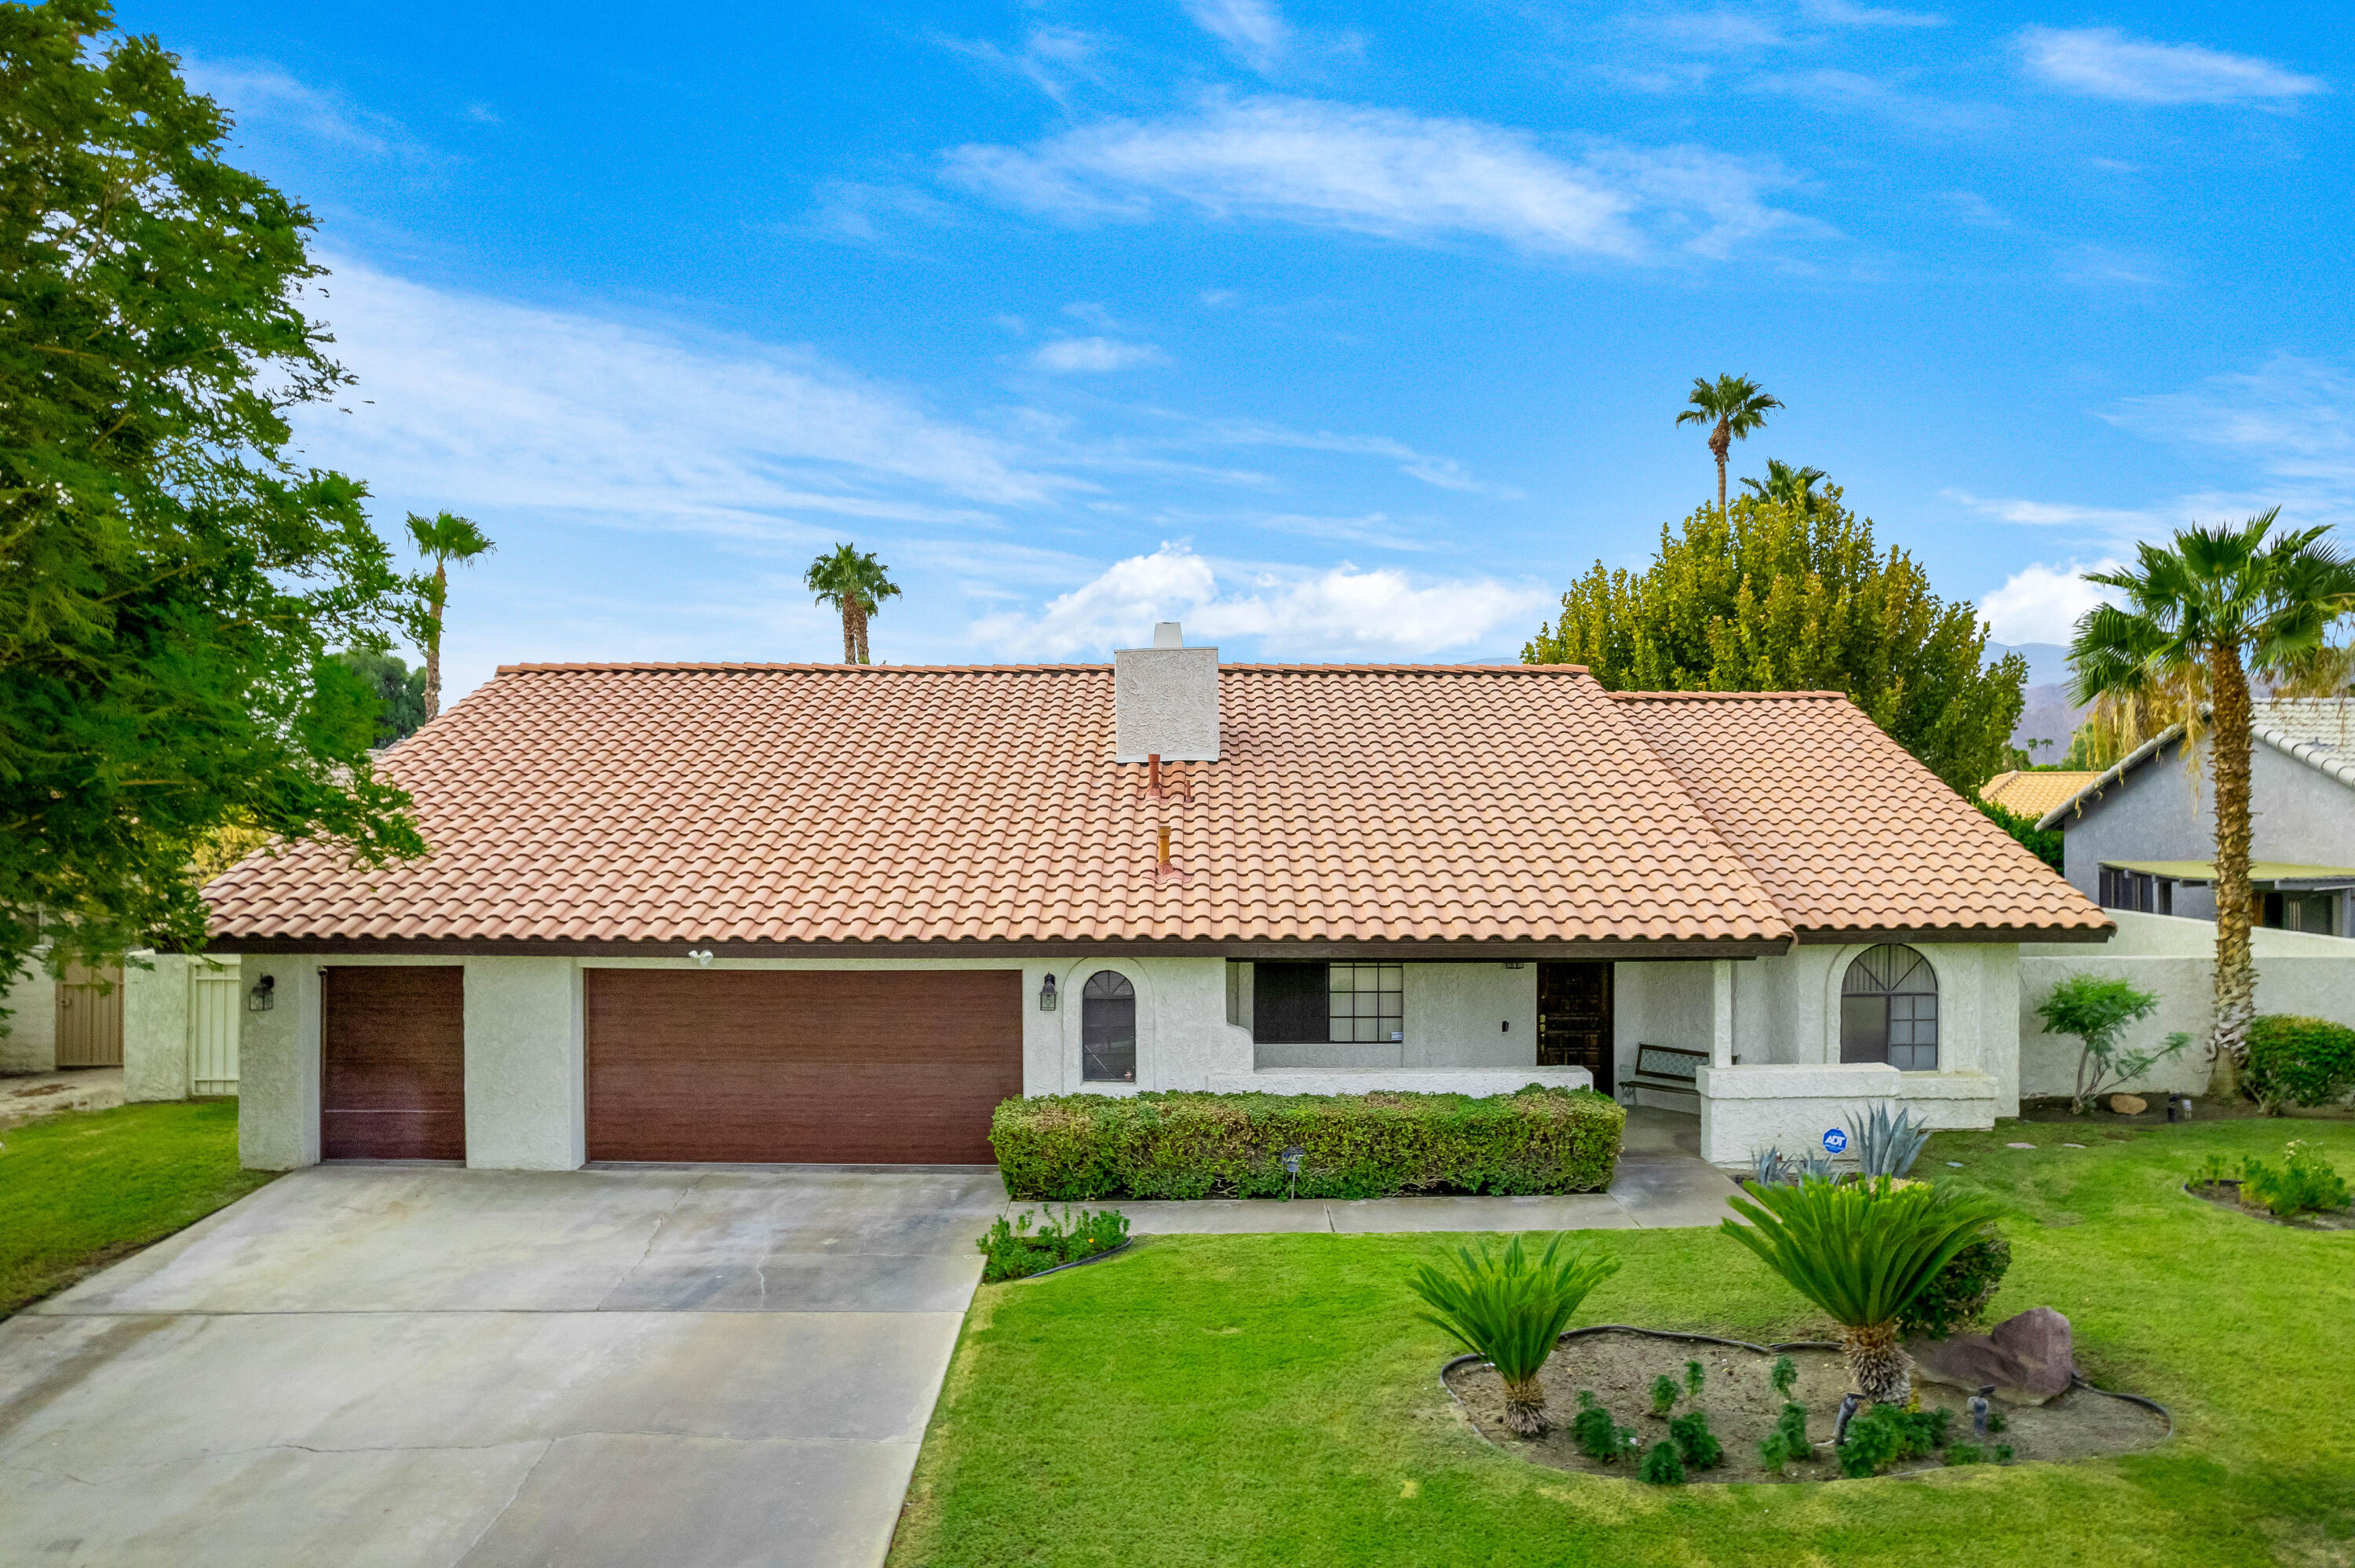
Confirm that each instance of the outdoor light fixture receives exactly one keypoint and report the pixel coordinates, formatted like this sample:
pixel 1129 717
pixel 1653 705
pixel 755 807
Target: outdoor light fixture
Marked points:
pixel 1047 995
pixel 263 996
pixel 1292 1157
pixel 702 956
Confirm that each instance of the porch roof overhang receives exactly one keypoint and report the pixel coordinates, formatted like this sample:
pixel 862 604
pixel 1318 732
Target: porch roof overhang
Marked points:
pixel 2277 873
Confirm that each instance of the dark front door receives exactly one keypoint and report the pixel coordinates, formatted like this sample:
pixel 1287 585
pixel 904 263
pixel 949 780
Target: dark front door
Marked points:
pixel 1574 1019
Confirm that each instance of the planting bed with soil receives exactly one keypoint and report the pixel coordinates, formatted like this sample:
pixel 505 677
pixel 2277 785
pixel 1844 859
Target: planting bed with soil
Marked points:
pixel 2226 1194
pixel 1619 1365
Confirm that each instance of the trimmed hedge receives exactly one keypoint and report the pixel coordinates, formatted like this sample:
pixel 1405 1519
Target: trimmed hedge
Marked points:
pixel 2300 1061
pixel 1067 1147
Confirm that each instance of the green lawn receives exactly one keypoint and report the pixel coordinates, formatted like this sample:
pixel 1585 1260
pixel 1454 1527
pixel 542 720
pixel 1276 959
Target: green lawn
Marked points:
pixel 1271 1400
pixel 81 1189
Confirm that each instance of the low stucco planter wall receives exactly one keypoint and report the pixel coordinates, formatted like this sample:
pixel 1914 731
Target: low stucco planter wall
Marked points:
pixel 1791 1108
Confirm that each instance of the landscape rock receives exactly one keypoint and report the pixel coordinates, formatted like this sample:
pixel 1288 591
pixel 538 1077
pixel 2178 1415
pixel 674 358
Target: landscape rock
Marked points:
pixel 2029 1358
pixel 2129 1105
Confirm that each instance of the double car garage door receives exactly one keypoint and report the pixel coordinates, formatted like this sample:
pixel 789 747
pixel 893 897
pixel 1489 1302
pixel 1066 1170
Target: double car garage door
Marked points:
pixel 865 1066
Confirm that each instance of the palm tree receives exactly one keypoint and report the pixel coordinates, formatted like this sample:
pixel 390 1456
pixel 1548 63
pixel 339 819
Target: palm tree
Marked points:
pixel 1511 1310
pixel 441 539
pixel 856 584
pixel 1862 1252
pixel 1792 487
pixel 1732 406
pixel 2201 617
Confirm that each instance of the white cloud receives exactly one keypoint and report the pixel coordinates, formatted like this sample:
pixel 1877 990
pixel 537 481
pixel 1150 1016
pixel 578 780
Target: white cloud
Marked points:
pixel 1845 15
pixel 1341 613
pixel 2060 515
pixel 2292 420
pixel 1380 172
pixel 1070 353
pixel 256 93
pixel 2042 603
pixel 1254 29
pixel 2101 63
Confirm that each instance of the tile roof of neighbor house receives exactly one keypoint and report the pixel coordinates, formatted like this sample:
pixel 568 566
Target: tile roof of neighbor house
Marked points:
pixel 2031 793
pixel 827 803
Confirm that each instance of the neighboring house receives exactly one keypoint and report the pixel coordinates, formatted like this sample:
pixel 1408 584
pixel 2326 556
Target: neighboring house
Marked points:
pixel 2030 793
pixel 2142 835
pixel 819 911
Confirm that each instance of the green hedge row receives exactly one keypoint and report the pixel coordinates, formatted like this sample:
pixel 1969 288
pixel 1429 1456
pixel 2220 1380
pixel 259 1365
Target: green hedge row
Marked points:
pixel 2300 1061
pixel 1069 1148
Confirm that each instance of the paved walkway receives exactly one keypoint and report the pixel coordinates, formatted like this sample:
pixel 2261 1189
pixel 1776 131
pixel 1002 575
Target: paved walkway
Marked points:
pixel 69 1088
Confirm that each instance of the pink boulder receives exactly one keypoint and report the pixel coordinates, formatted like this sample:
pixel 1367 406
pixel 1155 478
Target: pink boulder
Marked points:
pixel 2027 1358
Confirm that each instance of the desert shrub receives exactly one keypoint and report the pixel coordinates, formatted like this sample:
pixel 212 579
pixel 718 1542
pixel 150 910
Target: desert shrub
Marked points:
pixel 2300 1061
pixel 2097 1011
pixel 1696 1445
pixel 1190 1145
pixel 1886 1144
pixel 1885 1434
pixel 1966 1453
pixel 1664 1394
pixel 1016 1251
pixel 2302 1182
pixel 1661 1467
pixel 1958 1295
pixel 1788 1444
pixel 1784 1375
pixel 1508 1309
pixel 1599 1437
pixel 1695 1375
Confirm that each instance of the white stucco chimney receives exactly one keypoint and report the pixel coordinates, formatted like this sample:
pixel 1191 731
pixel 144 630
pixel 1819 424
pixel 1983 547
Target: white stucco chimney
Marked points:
pixel 1165 700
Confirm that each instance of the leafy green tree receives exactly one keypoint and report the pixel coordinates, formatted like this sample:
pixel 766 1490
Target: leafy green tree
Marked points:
pixel 1792 486
pixel 2044 844
pixel 399 693
pixel 2097 1011
pixel 1769 598
pixel 2202 616
pixel 441 539
pixel 170 580
pixel 1730 408
pixel 856 584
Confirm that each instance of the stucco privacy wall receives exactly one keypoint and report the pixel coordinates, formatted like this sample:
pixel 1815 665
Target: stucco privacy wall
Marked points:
pixel 155 1027
pixel 30 1043
pixel 2173 958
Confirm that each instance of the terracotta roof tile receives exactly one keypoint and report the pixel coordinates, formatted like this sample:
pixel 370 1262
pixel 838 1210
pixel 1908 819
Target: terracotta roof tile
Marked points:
pixel 770 804
pixel 1845 829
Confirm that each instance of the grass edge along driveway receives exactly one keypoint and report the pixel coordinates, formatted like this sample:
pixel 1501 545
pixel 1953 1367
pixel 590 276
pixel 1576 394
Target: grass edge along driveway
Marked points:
pixel 1245 1399
pixel 83 1189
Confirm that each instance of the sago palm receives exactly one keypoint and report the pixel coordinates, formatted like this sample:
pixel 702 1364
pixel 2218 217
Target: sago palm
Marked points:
pixel 441 539
pixel 1862 1252
pixel 855 584
pixel 1509 1308
pixel 1731 406
pixel 2202 616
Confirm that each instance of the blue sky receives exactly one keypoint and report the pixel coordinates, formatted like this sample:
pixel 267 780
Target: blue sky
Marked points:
pixel 1337 332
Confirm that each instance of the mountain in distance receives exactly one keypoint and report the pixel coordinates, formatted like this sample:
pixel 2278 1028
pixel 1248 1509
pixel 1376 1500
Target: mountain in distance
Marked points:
pixel 2048 715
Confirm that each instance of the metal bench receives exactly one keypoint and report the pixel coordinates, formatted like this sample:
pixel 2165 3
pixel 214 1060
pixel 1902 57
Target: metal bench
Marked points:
pixel 1668 1068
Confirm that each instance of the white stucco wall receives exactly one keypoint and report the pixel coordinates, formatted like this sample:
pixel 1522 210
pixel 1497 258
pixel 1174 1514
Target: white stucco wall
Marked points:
pixel 155 1027
pixel 2174 958
pixel 525 1103
pixel 30 1042
pixel 278 1065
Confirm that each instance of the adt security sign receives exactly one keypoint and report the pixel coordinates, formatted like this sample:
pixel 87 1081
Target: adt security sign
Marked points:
pixel 1834 1140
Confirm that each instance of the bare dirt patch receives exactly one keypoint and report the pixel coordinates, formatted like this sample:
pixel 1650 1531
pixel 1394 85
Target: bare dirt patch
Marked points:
pixel 2227 1195
pixel 1617 1365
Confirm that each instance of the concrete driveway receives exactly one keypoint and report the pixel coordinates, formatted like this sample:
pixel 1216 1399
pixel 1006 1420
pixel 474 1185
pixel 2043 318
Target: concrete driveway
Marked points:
pixel 415 1366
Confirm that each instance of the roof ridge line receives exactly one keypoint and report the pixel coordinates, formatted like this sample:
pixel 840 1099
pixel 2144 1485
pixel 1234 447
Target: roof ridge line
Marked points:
pixel 716 666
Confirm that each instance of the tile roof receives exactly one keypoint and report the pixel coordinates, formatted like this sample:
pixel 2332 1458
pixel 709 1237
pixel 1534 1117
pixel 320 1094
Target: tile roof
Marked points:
pixel 2031 793
pixel 1843 827
pixel 783 803
pixel 2316 731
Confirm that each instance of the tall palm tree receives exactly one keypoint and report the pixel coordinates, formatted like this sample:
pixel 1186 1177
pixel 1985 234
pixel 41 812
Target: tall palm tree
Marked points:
pixel 856 584
pixel 1732 406
pixel 1794 487
pixel 441 539
pixel 2201 617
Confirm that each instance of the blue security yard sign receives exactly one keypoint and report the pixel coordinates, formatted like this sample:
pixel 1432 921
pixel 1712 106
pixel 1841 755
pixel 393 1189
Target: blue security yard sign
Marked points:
pixel 1835 1140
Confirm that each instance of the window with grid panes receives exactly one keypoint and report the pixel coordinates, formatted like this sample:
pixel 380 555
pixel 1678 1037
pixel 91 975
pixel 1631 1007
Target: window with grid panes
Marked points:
pixel 1366 1003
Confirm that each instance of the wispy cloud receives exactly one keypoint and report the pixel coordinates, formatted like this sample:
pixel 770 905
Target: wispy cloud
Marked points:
pixel 1338 613
pixel 1052 60
pixel 1381 172
pixel 1082 353
pixel 259 95
pixel 2040 603
pixel 1842 14
pixel 1254 29
pixel 2291 421
pixel 2102 62
pixel 2120 522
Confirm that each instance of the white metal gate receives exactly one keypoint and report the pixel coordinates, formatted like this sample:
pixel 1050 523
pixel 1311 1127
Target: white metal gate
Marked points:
pixel 213 1019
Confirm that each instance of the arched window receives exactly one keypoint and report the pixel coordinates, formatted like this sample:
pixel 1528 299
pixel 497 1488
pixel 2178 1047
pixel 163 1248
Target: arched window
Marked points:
pixel 1108 1029
pixel 1889 1010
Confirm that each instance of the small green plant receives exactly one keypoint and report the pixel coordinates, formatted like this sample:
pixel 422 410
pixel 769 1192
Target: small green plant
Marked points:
pixel 1664 1394
pixel 2214 1170
pixel 1965 1454
pixel 2097 1010
pixel 1508 1309
pixel 1695 1374
pixel 1696 1445
pixel 1600 1438
pixel 2302 1182
pixel 2003 1453
pixel 1886 1434
pixel 1016 1251
pixel 1784 1375
pixel 1958 1294
pixel 1886 1145
pixel 1661 1467
pixel 1998 1421
pixel 2299 1062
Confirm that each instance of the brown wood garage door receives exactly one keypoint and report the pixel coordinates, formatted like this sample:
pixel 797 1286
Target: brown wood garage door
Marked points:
pixel 392 1063
pixel 865 1066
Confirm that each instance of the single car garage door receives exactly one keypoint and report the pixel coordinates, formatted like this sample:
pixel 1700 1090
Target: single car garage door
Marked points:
pixel 392 1063
pixel 856 1066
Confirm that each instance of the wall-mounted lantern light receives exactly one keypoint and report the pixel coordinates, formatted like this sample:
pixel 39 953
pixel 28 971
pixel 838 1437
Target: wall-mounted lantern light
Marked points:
pixel 702 956
pixel 263 996
pixel 1047 995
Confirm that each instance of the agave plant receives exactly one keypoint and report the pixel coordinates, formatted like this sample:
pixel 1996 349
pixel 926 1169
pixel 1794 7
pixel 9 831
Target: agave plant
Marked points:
pixel 1887 1145
pixel 1509 1308
pixel 1862 1252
